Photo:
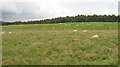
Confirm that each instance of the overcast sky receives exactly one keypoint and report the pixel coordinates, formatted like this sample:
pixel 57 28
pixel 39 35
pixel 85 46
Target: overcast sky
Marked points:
pixel 14 10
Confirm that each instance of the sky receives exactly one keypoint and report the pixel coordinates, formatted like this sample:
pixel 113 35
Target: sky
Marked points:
pixel 25 10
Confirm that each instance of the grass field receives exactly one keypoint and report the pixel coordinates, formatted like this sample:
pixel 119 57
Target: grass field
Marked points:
pixel 53 44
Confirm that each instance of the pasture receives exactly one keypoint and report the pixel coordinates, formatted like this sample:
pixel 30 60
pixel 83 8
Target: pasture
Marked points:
pixel 58 44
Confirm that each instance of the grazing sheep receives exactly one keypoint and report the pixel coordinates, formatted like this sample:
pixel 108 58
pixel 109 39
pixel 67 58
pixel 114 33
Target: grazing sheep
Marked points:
pixel 77 25
pixel 60 23
pixel 75 30
pixel 10 32
pixel 95 36
pixel 84 30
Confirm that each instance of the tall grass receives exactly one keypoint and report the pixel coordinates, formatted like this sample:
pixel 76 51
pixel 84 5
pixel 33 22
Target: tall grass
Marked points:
pixel 53 44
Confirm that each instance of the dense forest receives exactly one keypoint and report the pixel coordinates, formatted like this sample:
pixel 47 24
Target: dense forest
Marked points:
pixel 78 18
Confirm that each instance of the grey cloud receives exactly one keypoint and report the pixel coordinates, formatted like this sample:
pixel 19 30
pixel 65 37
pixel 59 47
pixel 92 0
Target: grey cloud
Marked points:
pixel 119 8
pixel 38 9
pixel 22 11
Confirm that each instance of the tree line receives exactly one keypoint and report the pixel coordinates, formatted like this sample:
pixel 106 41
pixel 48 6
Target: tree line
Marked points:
pixel 78 18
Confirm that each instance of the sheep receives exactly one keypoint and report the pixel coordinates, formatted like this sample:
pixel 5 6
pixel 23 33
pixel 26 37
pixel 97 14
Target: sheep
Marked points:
pixel 75 30
pixel 95 36
pixel 84 30
pixel 77 25
pixel 10 32
pixel 60 23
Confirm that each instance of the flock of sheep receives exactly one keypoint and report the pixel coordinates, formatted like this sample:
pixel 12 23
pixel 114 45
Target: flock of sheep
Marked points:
pixel 94 36
pixel 4 32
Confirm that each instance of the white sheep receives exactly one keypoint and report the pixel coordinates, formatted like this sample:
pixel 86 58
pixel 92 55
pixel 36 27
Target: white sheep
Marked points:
pixel 10 32
pixel 60 23
pixel 95 36
pixel 77 25
pixel 84 30
pixel 75 30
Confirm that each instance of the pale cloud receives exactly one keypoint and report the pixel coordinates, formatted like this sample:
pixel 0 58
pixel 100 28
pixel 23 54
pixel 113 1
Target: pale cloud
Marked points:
pixel 37 9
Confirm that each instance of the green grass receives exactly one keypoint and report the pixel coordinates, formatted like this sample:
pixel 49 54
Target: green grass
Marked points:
pixel 53 44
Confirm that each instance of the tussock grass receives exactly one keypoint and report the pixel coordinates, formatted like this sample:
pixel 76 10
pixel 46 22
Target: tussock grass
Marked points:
pixel 53 44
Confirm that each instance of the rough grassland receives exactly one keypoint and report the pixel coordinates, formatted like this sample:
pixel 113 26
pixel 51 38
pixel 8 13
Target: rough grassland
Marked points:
pixel 59 44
